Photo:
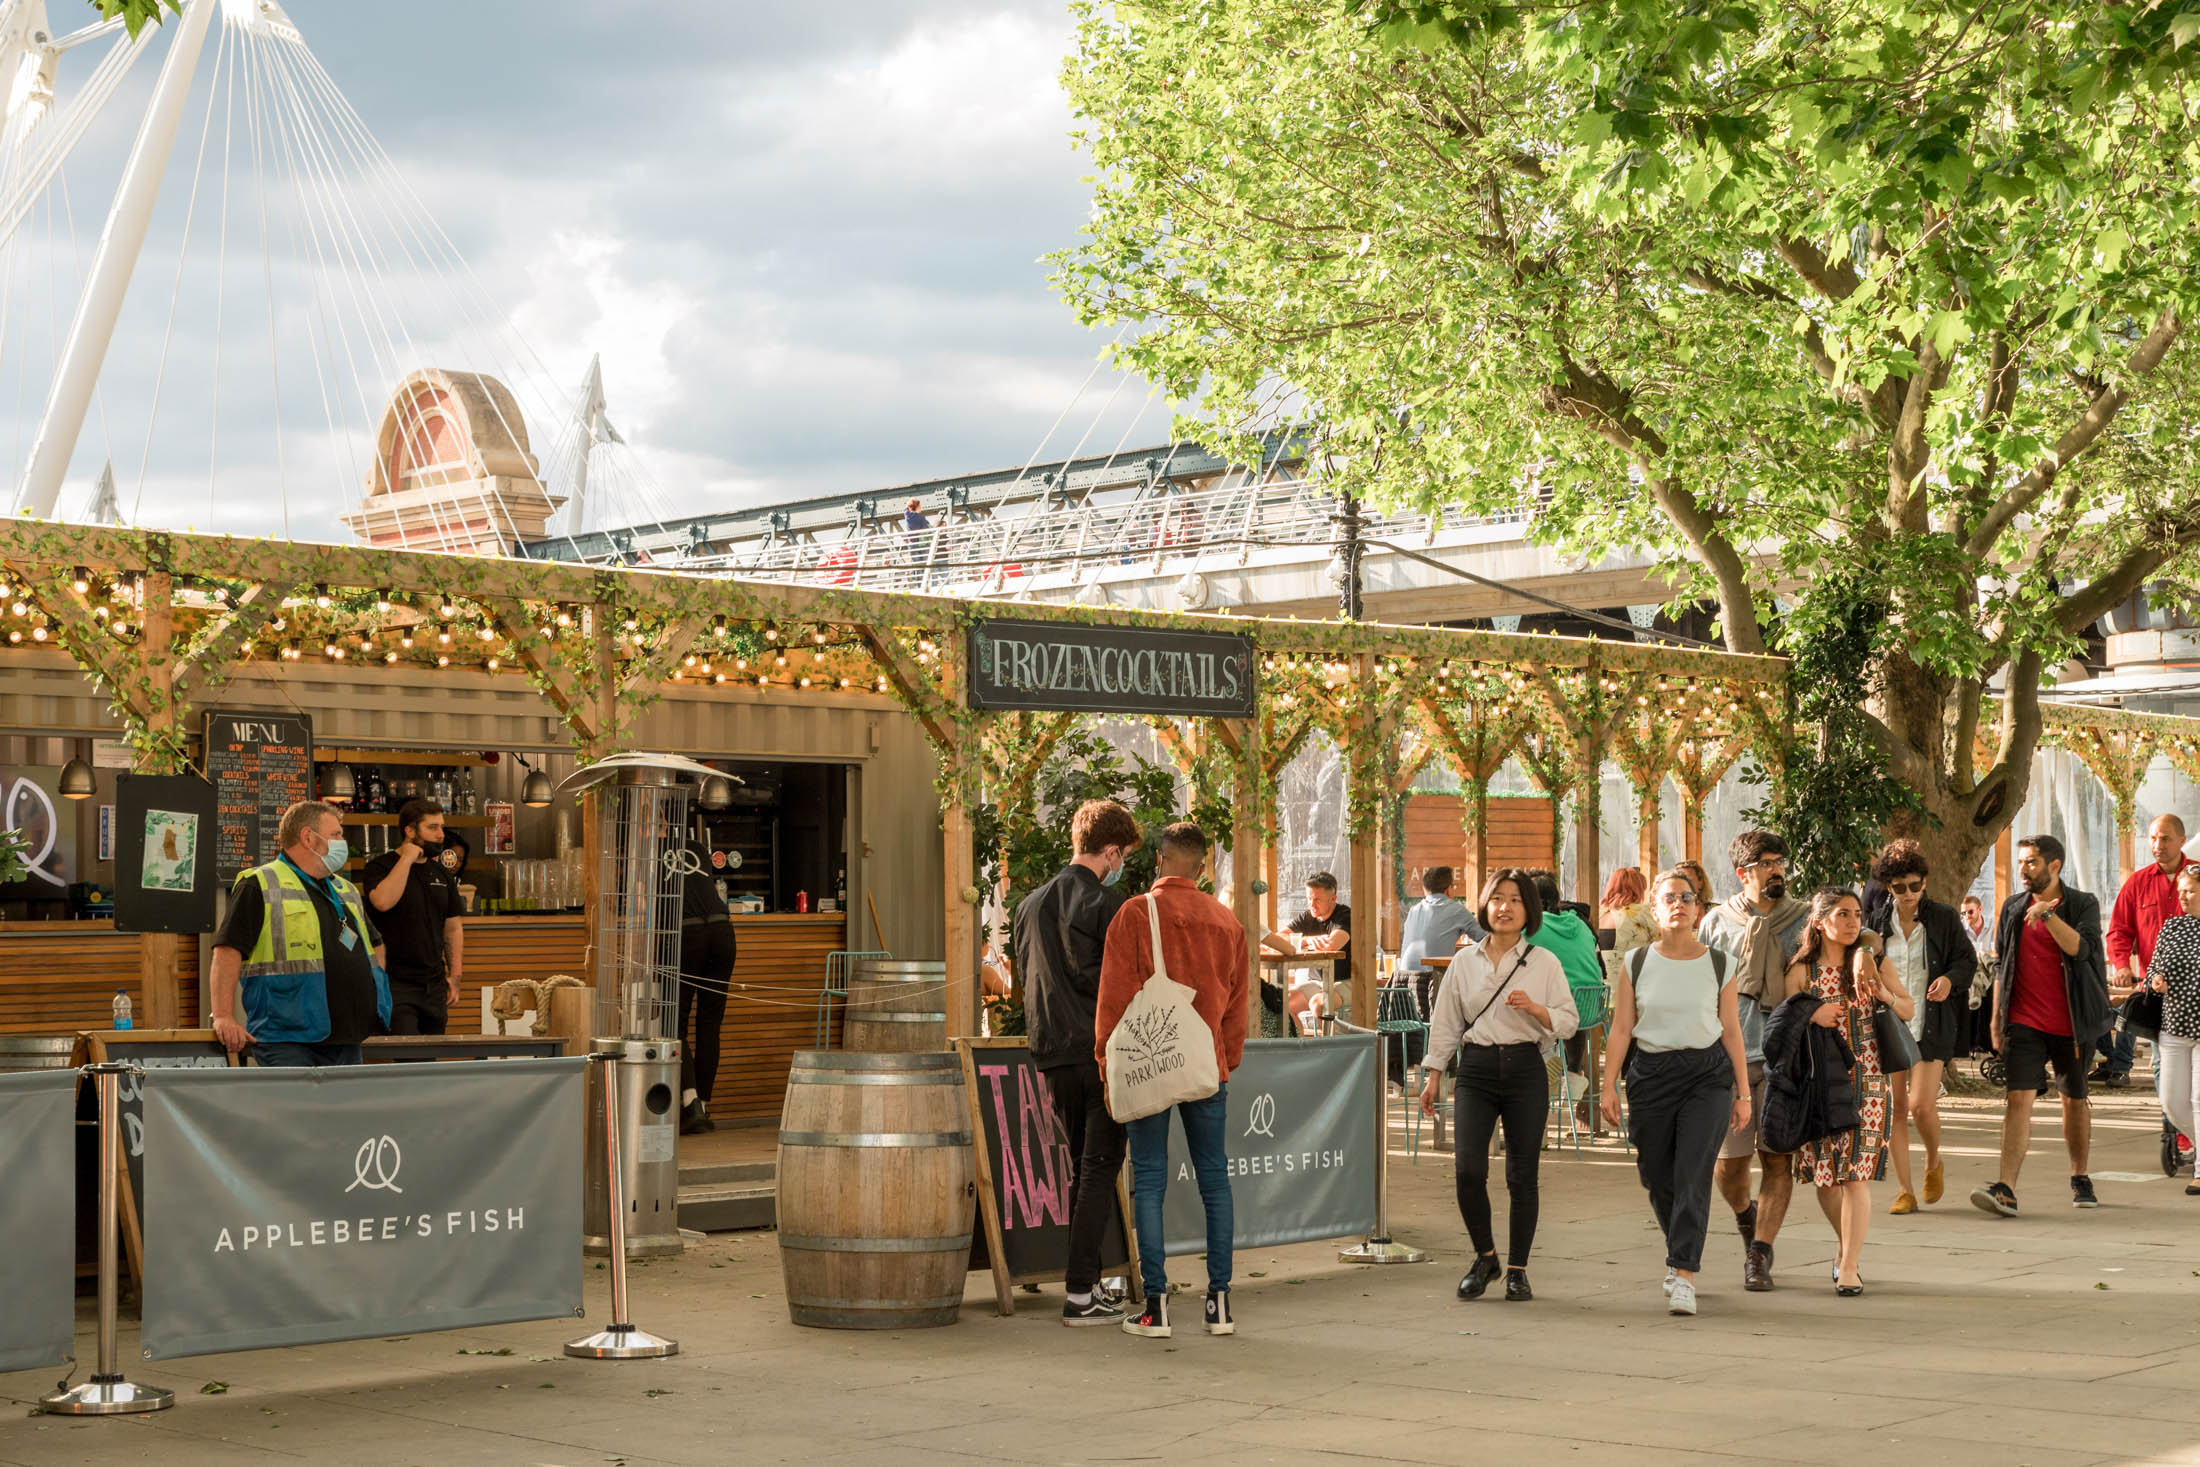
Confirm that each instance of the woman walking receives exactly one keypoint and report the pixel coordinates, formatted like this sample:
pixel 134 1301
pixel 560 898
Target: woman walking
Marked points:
pixel 1849 984
pixel 1676 1019
pixel 2174 972
pixel 1502 1000
pixel 1931 954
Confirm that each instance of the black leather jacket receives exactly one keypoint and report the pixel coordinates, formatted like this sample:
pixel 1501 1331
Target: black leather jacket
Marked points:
pixel 1061 930
pixel 1949 955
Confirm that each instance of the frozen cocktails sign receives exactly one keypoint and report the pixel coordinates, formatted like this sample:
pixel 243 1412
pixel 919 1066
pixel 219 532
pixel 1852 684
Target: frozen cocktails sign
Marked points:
pixel 1071 667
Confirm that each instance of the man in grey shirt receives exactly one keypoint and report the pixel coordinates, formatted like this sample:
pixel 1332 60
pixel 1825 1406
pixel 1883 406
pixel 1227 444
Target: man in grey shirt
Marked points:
pixel 1434 925
pixel 1759 929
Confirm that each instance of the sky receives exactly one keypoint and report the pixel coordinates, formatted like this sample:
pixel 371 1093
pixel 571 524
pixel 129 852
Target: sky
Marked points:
pixel 805 241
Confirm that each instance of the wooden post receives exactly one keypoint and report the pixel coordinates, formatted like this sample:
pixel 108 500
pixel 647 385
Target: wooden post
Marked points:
pixel 1478 838
pixel 958 850
pixel 1646 836
pixel 1691 828
pixel 1242 739
pixel 157 950
pixel 1588 836
pixel 1271 869
pixel 1363 779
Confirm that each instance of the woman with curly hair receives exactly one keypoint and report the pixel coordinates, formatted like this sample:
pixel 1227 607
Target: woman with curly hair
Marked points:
pixel 1926 945
pixel 1849 982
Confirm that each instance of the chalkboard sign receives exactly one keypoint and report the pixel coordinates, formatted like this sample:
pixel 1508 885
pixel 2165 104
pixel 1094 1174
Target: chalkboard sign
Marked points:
pixel 1071 667
pixel 261 764
pixel 1024 1174
pixel 152 1049
pixel 164 853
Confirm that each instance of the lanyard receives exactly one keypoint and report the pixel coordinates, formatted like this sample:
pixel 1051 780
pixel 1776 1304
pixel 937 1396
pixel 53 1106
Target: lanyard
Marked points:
pixel 321 885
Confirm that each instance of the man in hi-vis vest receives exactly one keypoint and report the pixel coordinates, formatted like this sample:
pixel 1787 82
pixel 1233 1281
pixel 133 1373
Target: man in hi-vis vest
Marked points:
pixel 298 946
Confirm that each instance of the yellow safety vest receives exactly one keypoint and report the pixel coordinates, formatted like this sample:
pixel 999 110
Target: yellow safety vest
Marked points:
pixel 285 976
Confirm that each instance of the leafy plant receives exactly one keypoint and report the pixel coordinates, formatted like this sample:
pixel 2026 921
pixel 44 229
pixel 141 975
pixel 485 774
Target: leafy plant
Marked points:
pixel 13 843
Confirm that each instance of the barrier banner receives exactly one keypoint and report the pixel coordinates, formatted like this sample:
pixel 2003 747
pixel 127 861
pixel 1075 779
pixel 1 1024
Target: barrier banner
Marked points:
pixel 37 1218
pixel 289 1207
pixel 1301 1142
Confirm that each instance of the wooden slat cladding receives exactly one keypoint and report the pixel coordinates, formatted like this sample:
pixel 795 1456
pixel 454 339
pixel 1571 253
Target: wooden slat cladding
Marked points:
pixel 782 959
pixel 499 949
pixel 59 977
pixel 1520 835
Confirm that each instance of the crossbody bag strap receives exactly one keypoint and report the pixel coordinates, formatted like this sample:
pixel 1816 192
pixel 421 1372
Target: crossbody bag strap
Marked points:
pixel 1502 984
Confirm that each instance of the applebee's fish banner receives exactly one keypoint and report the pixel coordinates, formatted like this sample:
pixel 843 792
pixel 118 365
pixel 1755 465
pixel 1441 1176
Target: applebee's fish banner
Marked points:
pixel 1069 667
pixel 286 1207
pixel 37 1218
pixel 1300 1138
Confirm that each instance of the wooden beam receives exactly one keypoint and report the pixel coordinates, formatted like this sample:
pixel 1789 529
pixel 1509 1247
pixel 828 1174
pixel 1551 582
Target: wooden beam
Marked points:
pixel 211 660
pixel 958 849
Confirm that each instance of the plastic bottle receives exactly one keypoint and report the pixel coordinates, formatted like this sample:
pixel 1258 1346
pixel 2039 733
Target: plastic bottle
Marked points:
pixel 122 1008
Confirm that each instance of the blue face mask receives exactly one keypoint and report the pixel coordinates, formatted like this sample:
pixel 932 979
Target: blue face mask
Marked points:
pixel 339 853
pixel 1113 877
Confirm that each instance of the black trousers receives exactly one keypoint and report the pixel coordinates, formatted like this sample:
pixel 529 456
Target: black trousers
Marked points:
pixel 1678 1104
pixel 1096 1160
pixel 706 966
pixel 420 1006
pixel 1500 1084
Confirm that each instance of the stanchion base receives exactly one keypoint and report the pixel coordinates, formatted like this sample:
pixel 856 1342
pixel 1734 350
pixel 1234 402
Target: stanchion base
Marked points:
pixel 107 1398
pixel 622 1342
pixel 1380 1250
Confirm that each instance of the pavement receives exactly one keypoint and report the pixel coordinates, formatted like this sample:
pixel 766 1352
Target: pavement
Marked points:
pixel 2061 1337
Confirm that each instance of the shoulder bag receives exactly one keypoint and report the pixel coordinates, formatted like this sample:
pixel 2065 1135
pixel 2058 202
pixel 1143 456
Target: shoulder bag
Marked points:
pixel 1161 1052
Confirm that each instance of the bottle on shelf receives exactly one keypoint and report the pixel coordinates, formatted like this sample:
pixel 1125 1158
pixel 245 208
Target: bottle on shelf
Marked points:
pixel 469 799
pixel 122 1008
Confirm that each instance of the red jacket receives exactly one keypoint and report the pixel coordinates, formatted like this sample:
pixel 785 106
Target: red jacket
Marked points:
pixel 1206 950
pixel 2147 900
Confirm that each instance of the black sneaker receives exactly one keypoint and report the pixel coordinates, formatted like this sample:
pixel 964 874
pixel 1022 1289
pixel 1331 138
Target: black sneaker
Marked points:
pixel 1115 1291
pixel 1152 1321
pixel 1096 1310
pixel 2114 1081
pixel 1219 1321
pixel 1996 1198
pixel 2081 1193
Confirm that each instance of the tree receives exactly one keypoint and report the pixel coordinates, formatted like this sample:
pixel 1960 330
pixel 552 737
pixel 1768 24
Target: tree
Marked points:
pixel 136 14
pixel 1767 289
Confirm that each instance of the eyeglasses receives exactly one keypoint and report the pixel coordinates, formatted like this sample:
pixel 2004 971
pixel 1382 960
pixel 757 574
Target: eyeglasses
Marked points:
pixel 1676 899
pixel 1772 866
pixel 1906 888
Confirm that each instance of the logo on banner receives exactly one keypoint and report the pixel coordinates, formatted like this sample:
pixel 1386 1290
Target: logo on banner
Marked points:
pixel 380 1156
pixel 1262 1122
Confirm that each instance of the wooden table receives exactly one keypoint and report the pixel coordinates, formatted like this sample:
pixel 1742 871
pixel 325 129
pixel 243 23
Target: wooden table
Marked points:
pixel 1283 961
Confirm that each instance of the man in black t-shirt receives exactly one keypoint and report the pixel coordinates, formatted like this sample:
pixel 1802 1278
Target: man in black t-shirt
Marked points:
pixel 417 903
pixel 1324 927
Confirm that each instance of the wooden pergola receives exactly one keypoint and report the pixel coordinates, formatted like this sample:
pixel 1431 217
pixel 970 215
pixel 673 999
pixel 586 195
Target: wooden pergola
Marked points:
pixel 164 620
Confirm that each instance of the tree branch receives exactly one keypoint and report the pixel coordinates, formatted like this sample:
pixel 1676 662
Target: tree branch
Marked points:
pixel 2023 494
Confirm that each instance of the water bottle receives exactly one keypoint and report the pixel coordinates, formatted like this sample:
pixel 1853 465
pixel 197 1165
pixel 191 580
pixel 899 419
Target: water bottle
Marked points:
pixel 122 1008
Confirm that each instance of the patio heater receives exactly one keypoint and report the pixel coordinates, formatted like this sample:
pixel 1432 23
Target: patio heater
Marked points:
pixel 642 816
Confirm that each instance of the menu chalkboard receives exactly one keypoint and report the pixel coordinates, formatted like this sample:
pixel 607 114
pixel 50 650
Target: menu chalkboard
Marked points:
pixel 1024 1174
pixel 261 764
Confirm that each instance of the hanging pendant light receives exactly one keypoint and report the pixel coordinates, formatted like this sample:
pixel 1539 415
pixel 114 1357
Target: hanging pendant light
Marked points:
pixel 77 781
pixel 536 792
pixel 340 787
pixel 717 792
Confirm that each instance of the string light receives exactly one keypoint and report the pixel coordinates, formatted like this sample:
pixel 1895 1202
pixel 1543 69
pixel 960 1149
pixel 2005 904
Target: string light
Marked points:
pixel 382 600
pixel 80 580
pixel 321 597
pixel 448 608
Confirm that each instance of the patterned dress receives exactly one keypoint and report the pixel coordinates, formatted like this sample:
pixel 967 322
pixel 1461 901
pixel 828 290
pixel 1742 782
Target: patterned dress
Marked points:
pixel 1859 1155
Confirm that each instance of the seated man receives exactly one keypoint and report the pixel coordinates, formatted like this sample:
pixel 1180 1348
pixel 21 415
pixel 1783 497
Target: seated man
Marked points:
pixel 1324 927
pixel 1438 923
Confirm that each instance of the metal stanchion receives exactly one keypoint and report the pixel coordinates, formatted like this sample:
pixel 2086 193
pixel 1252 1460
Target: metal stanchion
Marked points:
pixel 1379 1248
pixel 107 1393
pixel 619 1340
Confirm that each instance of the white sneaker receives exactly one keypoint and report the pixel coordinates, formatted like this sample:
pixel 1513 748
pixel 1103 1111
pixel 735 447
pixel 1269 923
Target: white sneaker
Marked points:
pixel 1681 1298
pixel 1671 1278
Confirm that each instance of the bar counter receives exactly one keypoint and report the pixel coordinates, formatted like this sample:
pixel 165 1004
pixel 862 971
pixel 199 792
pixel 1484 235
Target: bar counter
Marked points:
pixel 59 977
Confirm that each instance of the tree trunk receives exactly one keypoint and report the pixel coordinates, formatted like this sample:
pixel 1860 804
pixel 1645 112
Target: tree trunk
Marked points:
pixel 1963 814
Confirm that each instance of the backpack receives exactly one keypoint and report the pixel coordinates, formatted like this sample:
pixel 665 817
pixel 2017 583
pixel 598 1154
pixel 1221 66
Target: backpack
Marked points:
pixel 1634 961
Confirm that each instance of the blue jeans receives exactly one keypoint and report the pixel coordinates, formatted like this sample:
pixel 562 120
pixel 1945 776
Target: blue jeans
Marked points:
pixel 280 1055
pixel 1204 1122
pixel 2119 1051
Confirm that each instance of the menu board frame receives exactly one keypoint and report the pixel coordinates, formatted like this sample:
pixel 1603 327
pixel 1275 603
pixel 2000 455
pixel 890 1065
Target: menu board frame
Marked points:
pixel 258 828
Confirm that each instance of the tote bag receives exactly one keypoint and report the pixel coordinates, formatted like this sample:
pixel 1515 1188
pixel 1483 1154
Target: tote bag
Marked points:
pixel 1161 1052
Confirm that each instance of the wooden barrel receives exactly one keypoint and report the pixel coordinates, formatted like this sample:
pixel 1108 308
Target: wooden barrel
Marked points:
pixel 22 1052
pixel 895 1007
pixel 877 1190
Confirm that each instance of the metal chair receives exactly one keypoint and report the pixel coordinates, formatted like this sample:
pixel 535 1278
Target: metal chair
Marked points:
pixel 1398 1012
pixel 838 965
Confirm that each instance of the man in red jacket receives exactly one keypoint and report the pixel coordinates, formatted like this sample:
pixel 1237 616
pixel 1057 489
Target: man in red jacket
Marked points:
pixel 1204 947
pixel 2147 900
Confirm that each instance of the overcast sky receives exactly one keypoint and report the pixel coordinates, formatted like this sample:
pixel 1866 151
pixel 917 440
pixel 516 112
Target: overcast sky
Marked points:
pixel 805 240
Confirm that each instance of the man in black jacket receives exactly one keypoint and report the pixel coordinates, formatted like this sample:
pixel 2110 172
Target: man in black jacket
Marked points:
pixel 1061 930
pixel 2050 1008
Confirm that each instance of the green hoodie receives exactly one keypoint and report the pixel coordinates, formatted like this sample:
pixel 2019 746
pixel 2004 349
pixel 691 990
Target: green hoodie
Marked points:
pixel 1569 939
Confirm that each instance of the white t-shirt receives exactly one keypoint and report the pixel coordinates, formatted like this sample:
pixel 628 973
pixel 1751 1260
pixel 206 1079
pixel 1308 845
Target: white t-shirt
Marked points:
pixel 1676 1001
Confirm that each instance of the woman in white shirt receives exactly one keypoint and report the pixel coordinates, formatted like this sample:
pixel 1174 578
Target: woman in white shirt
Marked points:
pixel 1501 1002
pixel 1674 1002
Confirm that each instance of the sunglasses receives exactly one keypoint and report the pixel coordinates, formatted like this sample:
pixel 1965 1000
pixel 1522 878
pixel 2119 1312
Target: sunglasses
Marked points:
pixel 1906 888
